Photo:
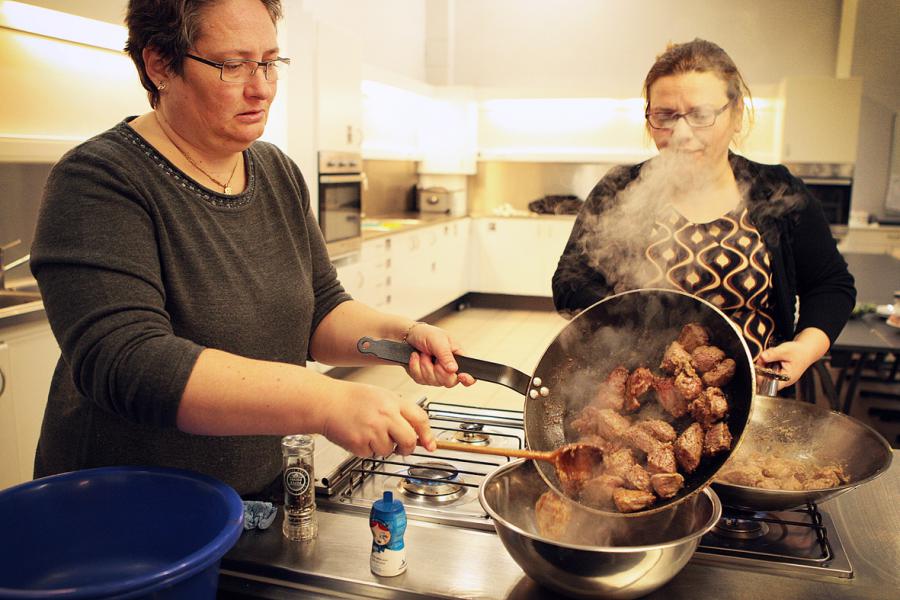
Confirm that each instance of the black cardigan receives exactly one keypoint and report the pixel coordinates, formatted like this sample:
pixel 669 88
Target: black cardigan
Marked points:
pixel 804 257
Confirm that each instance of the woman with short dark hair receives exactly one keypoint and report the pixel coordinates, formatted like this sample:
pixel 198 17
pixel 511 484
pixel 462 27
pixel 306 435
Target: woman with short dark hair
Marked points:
pixel 187 282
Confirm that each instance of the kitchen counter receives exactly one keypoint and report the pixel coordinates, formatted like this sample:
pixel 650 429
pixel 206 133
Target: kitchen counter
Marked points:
pixel 447 562
pixel 393 223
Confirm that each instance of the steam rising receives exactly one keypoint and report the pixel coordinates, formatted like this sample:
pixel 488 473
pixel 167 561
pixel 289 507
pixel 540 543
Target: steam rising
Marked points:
pixel 615 240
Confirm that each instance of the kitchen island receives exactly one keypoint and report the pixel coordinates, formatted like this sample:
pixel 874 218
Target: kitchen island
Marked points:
pixel 446 562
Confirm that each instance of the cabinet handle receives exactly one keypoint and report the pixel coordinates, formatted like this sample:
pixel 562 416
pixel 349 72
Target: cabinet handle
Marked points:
pixel 2 382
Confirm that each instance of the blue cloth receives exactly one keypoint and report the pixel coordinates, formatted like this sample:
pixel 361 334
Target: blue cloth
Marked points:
pixel 258 514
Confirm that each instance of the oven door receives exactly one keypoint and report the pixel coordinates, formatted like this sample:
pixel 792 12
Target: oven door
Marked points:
pixel 834 195
pixel 340 212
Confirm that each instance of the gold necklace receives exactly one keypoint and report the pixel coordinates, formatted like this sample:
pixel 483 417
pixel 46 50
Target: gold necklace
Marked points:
pixel 226 187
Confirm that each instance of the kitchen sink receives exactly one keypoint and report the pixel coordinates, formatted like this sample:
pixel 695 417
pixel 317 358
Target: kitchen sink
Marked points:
pixel 16 297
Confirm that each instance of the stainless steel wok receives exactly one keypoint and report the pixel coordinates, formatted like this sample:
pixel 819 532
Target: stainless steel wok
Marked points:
pixel 810 434
pixel 630 329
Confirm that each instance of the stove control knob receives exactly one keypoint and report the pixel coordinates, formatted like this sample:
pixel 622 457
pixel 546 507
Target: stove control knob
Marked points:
pixel 537 381
pixel 545 392
pixel 533 394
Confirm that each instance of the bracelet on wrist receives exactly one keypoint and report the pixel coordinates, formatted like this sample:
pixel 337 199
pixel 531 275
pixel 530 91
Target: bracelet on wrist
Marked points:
pixel 409 329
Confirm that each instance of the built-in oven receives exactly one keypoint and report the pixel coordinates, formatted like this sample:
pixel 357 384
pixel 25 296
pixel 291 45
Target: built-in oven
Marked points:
pixel 831 184
pixel 341 183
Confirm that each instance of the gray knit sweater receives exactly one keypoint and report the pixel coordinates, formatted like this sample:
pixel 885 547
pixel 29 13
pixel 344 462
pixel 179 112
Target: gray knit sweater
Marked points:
pixel 140 269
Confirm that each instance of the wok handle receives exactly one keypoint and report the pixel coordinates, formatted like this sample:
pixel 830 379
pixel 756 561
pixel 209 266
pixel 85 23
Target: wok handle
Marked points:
pixel 399 352
pixel 508 452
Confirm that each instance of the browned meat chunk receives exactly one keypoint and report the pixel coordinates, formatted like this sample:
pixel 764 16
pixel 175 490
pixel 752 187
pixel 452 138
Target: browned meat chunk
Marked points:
pixel 709 407
pixel 611 425
pixel 721 374
pixel 666 485
pixel 688 386
pixel 639 383
pixel 676 359
pixel 717 439
pixel 616 379
pixel 618 462
pixel 693 335
pixel 670 398
pixel 641 439
pixel 637 478
pixel 662 460
pixel 827 477
pixel 599 490
pixel 611 393
pixel 552 514
pixel 586 422
pixel 749 475
pixel 658 429
pixel 632 500
pixel 689 448
pixel 705 358
pixel 605 445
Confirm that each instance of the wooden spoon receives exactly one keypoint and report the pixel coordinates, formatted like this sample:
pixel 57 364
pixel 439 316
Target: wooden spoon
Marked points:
pixel 575 463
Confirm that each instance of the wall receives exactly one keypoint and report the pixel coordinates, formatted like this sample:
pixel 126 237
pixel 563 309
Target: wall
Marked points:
pixel 876 51
pixel 605 48
pixel 392 31
pixel 390 182
pixel 498 183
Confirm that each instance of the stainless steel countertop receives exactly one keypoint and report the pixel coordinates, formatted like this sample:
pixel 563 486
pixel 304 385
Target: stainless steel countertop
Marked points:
pixel 447 562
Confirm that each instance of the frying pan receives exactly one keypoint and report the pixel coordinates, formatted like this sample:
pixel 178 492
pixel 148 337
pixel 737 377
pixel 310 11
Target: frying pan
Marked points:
pixel 810 434
pixel 631 329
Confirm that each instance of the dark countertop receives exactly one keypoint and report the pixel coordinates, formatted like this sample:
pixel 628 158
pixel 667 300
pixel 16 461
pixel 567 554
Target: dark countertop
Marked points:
pixel 460 563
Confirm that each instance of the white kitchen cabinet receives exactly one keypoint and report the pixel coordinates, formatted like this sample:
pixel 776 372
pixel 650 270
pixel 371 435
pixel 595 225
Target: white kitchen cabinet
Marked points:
pixel 517 256
pixel 449 136
pixel 821 119
pixel 28 356
pixel 339 96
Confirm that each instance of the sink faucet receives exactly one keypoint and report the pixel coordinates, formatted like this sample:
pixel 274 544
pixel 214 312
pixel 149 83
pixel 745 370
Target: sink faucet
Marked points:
pixel 13 264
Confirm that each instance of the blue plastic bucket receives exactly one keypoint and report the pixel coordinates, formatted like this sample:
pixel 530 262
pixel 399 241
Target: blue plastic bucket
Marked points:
pixel 117 532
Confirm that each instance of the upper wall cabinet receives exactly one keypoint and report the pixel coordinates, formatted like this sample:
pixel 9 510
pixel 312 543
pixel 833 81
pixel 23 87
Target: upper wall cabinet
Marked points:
pixel 391 118
pixel 449 136
pixel 563 130
pixel 821 119
pixel 338 75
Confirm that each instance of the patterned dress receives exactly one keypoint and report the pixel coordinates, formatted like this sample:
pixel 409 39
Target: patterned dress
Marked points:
pixel 724 262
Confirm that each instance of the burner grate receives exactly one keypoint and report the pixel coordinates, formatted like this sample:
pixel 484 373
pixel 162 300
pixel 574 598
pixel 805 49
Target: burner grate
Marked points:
pixel 803 540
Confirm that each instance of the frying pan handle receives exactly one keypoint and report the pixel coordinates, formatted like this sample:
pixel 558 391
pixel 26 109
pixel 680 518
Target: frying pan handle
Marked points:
pixel 399 352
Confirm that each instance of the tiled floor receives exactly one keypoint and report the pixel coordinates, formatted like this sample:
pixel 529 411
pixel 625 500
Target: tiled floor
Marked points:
pixel 517 338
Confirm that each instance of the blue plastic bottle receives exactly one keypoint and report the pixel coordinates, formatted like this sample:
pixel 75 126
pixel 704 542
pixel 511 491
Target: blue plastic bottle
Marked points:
pixel 388 524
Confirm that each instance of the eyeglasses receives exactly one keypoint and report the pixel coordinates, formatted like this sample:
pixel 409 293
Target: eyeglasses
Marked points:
pixel 241 70
pixel 702 116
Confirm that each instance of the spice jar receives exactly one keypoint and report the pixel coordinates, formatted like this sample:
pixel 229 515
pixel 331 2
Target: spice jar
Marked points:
pixel 300 522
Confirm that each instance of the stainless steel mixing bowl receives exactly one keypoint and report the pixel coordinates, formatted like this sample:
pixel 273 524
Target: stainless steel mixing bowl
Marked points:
pixel 590 556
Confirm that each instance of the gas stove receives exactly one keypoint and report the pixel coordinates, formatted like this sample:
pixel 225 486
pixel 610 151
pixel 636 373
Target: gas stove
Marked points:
pixel 442 487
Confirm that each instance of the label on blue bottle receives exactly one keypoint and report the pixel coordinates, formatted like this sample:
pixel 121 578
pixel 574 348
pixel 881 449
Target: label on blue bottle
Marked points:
pixel 388 549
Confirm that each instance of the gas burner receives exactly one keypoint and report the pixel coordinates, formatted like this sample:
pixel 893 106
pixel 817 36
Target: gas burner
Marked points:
pixel 740 529
pixel 432 481
pixel 472 433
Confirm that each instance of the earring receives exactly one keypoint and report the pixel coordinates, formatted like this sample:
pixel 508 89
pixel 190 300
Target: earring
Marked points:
pixel 162 85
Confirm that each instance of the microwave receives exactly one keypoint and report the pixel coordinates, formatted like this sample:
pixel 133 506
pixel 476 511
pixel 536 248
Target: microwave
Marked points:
pixel 341 183
pixel 831 184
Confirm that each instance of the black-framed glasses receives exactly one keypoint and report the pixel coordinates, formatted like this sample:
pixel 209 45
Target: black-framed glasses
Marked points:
pixel 242 70
pixel 702 116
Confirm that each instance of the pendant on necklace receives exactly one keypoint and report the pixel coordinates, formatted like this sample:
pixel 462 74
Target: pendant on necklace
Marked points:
pixel 227 189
